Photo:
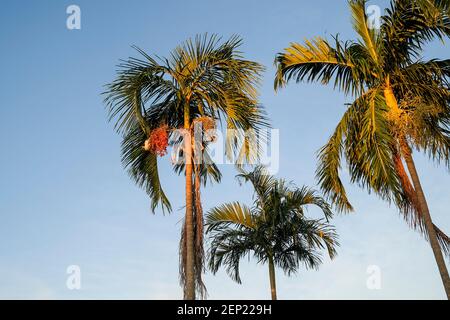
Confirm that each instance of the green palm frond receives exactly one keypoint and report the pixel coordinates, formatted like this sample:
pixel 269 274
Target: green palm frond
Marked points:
pixel 228 248
pixel 143 168
pixel 408 25
pixel 300 241
pixel 317 60
pixel 137 83
pixel 435 139
pixel 306 196
pixel 330 155
pixel 368 148
pixel 232 213
pixel 369 36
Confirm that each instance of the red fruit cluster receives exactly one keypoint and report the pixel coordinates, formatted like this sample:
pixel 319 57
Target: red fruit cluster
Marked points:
pixel 159 140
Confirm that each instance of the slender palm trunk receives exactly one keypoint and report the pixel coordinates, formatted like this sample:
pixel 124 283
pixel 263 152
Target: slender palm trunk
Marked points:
pixel 198 234
pixel 423 206
pixel 189 290
pixel 273 286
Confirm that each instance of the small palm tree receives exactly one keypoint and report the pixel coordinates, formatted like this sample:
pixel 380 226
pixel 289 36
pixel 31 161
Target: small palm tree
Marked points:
pixel 152 100
pixel 400 103
pixel 274 229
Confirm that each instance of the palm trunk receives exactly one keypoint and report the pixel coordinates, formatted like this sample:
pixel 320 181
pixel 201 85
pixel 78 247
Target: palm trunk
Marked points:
pixel 189 290
pixel 394 113
pixel 423 206
pixel 273 286
pixel 198 234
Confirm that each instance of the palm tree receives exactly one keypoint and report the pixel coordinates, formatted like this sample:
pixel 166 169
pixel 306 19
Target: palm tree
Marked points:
pixel 274 229
pixel 400 103
pixel 159 101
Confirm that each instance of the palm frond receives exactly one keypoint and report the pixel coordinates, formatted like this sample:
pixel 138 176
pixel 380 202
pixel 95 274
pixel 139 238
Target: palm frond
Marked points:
pixel 231 213
pixel 304 196
pixel 408 25
pixel 142 167
pixel 369 36
pixel 317 60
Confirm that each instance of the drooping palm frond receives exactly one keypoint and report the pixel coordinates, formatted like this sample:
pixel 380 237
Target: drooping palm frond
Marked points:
pixel 369 156
pixel 327 172
pixel 300 240
pixel 227 248
pixel 363 137
pixel 138 82
pixel 232 213
pixel 142 167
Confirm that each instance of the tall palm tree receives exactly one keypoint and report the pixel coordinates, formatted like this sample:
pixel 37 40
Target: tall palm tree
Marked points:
pixel 400 102
pixel 156 101
pixel 274 229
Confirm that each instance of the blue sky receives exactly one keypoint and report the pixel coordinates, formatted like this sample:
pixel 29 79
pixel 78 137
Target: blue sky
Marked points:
pixel 66 200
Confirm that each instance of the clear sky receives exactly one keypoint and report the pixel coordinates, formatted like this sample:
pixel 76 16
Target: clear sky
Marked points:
pixel 66 200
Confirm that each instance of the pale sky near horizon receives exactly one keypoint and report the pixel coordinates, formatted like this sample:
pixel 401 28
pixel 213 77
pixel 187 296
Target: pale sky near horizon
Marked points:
pixel 66 200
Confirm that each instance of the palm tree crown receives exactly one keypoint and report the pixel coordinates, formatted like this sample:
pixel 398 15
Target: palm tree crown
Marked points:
pixel 202 78
pixel 275 229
